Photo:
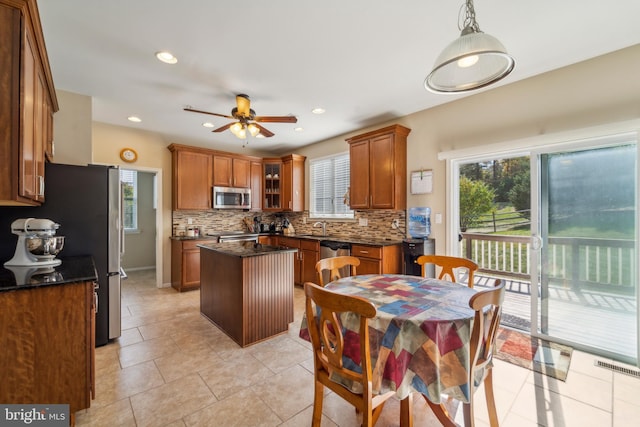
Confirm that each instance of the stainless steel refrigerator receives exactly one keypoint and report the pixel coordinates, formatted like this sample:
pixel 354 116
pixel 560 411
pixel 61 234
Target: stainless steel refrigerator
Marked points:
pixel 86 202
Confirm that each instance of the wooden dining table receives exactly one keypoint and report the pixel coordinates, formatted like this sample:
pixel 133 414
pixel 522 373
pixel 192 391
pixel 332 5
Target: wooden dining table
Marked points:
pixel 419 337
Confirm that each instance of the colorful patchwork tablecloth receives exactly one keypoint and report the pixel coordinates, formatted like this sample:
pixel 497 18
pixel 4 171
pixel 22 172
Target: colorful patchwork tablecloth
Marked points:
pixel 419 337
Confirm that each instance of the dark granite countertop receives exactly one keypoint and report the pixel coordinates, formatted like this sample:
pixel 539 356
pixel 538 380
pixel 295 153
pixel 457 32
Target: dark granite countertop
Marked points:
pixel 244 249
pixel 72 269
pixel 215 238
pixel 347 239
pixel 333 238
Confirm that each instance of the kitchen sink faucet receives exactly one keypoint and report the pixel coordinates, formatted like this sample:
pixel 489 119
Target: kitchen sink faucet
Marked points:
pixel 323 225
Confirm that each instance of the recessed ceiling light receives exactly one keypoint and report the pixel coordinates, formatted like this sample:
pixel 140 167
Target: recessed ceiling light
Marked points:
pixel 299 129
pixel 134 119
pixel 166 57
pixel 318 110
pixel 208 125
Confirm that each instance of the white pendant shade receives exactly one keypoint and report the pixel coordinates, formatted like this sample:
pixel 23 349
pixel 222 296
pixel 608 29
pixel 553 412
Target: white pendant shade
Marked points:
pixel 472 61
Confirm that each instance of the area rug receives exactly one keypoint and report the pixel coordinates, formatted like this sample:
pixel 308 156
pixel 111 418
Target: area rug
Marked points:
pixel 539 355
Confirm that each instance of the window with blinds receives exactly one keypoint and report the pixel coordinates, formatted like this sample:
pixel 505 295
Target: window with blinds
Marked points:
pixel 329 187
pixel 129 181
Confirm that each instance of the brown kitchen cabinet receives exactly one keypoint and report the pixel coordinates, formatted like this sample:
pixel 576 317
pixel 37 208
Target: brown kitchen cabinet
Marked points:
pixel 229 171
pixel 26 106
pixel 378 259
pixel 293 183
pixel 191 179
pixel 304 265
pixel 256 185
pixel 272 170
pixel 185 264
pixel 48 345
pixel 270 240
pixel 379 169
pixel 284 183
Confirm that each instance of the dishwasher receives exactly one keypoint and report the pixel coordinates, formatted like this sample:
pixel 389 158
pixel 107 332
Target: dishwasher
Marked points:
pixel 330 249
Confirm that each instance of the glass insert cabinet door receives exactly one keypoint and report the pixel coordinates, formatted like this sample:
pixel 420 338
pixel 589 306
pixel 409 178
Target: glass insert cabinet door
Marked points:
pixel 586 232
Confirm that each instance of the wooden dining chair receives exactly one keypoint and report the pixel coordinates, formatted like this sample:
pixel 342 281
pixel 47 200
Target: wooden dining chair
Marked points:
pixel 487 305
pixel 333 265
pixel 327 341
pixel 447 265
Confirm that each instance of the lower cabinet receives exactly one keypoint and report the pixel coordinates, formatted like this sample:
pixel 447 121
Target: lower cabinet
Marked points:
pixel 185 264
pixel 304 265
pixel 48 345
pixel 378 259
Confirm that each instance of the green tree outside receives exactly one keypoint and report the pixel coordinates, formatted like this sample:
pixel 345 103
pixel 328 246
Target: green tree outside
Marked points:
pixel 476 199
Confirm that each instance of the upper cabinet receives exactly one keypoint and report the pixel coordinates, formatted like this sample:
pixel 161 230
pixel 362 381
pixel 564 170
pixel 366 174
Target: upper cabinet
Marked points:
pixel 379 169
pixel 192 178
pixel 230 171
pixel 284 183
pixel 27 104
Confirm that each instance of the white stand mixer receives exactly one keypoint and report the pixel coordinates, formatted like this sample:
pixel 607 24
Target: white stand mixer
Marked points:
pixel 37 244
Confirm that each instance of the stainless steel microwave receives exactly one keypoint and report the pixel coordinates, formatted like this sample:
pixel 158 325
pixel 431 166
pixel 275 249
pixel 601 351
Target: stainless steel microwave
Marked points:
pixel 231 198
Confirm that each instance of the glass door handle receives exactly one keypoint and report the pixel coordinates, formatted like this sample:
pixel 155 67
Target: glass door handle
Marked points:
pixel 536 242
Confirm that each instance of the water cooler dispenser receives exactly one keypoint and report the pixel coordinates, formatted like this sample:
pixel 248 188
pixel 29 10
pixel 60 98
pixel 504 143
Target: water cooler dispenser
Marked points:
pixel 419 243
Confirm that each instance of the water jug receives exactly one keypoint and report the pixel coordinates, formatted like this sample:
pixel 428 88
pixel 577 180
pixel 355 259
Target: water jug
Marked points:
pixel 419 222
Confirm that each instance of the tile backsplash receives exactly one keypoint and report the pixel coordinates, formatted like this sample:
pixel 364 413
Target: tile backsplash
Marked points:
pixel 379 223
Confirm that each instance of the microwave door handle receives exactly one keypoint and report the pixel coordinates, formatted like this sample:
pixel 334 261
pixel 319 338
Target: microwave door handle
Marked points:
pixel 241 199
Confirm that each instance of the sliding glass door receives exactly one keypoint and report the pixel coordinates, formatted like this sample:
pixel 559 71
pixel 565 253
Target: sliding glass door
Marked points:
pixel 585 241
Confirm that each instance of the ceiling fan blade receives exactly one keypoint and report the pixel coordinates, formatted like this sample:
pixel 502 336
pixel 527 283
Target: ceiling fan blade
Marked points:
pixel 244 105
pixel 223 128
pixel 264 131
pixel 207 112
pixel 276 119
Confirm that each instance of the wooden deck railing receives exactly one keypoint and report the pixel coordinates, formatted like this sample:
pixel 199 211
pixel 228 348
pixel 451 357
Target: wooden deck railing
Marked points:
pixel 605 264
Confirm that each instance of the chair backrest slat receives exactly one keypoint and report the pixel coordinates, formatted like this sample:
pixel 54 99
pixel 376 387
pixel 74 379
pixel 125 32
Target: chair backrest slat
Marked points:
pixel 448 264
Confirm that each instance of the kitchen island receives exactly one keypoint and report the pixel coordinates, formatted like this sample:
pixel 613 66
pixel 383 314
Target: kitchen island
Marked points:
pixel 246 289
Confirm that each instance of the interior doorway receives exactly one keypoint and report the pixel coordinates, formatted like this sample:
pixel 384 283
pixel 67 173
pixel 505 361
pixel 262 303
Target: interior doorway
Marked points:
pixel 142 218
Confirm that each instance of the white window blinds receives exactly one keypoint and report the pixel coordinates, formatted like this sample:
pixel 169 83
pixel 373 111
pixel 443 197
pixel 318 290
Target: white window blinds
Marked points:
pixel 329 184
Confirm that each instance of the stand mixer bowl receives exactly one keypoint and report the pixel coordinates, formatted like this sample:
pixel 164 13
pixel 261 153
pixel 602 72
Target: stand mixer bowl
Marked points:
pixel 44 247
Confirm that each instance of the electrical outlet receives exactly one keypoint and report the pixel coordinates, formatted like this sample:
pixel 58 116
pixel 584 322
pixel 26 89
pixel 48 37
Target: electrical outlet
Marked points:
pixel 189 221
pixel 438 218
pixel 395 224
pixel 363 222
pixel 304 219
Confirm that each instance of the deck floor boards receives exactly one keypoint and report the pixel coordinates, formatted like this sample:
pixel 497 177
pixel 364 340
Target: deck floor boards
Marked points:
pixel 587 318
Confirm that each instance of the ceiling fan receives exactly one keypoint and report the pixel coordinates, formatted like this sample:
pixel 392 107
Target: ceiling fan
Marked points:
pixel 246 119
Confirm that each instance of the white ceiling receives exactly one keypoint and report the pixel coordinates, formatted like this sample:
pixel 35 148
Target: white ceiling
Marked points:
pixel 364 61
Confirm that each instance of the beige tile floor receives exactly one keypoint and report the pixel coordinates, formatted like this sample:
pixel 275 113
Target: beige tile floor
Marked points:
pixel 171 367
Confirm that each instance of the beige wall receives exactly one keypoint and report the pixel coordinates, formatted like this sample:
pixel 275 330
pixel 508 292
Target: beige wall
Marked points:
pixel 595 92
pixel 72 129
pixel 599 91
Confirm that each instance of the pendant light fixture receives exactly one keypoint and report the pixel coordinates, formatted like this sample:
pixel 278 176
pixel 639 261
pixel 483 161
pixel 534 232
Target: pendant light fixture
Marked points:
pixel 473 61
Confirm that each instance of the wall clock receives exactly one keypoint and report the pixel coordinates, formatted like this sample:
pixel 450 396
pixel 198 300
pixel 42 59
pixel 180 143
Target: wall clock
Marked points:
pixel 129 155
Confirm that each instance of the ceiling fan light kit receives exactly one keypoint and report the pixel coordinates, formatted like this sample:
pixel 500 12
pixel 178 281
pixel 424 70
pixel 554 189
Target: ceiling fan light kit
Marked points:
pixel 472 61
pixel 246 120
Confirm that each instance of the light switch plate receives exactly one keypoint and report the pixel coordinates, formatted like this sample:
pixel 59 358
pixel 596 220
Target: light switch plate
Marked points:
pixel 438 218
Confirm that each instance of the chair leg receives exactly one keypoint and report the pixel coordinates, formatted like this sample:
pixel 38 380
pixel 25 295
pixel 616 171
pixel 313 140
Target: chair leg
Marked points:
pixel 491 401
pixel 467 410
pixel 406 411
pixel 317 404
pixel 375 414
pixel 441 413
